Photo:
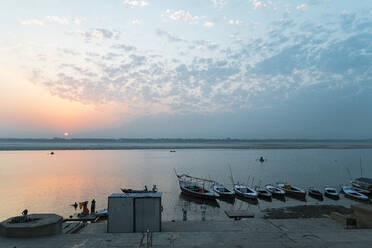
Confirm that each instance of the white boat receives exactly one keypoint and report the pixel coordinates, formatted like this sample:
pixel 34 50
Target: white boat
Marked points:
pixel 352 193
pixel 223 191
pixel 331 192
pixel 275 191
pixel 245 191
pixel 292 190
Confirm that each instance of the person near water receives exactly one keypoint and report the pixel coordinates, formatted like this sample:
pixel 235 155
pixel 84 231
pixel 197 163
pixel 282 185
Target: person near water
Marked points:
pixel 93 207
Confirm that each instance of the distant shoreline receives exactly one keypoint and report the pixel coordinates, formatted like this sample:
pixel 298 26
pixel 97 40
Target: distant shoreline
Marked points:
pixel 177 144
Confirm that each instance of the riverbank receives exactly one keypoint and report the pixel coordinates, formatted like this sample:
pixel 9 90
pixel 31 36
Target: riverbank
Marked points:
pixel 311 232
pixel 143 144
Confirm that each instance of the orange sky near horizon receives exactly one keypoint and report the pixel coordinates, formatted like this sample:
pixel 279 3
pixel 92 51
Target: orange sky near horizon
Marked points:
pixel 26 105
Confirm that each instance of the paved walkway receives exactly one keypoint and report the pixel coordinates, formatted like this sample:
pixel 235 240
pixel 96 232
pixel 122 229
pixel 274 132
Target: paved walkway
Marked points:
pixel 244 233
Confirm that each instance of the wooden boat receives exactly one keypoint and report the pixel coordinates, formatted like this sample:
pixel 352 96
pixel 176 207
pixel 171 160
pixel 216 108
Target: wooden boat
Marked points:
pixel 197 187
pixel 275 191
pixel 263 192
pixel 223 191
pixel 362 191
pixel 331 193
pixel 352 193
pixel 362 183
pixel 245 191
pixel 315 193
pixel 292 190
pixel 145 190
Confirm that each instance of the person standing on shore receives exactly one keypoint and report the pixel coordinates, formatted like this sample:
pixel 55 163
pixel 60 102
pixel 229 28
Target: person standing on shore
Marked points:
pixel 93 207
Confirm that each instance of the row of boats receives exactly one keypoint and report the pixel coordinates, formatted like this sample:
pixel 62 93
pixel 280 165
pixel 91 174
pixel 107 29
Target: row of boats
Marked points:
pixel 210 189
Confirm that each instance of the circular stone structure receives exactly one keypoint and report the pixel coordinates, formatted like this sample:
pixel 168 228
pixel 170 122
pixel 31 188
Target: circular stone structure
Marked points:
pixel 37 225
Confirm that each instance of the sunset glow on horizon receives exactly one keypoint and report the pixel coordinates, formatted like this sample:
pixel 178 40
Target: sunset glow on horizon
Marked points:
pixel 210 68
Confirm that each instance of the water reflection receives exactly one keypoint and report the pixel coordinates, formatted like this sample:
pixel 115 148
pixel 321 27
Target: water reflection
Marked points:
pixel 43 183
pixel 187 200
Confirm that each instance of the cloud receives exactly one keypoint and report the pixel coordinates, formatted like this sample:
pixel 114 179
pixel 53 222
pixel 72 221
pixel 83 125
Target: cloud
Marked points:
pixel 171 37
pixel 302 7
pixel 79 20
pixel 209 24
pixel 258 4
pixel 217 3
pixel 135 22
pixel 98 33
pixel 124 47
pixel 181 15
pixel 135 3
pixel 35 21
pixel 235 22
pixel 60 20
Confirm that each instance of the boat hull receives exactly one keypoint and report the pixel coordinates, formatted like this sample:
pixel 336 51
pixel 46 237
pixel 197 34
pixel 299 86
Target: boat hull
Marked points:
pixel 249 195
pixel 199 195
pixel 355 195
pixel 316 195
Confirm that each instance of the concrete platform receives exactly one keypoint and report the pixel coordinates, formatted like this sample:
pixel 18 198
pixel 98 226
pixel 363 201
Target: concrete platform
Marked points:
pixel 363 215
pixel 290 233
pixel 40 225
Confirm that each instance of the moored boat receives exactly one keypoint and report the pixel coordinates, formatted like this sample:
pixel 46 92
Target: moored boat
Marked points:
pixel 362 191
pixel 275 191
pixel 315 193
pixel 352 193
pixel 362 183
pixel 331 193
pixel 263 192
pixel 292 190
pixel 197 187
pixel 223 191
pixel 245 191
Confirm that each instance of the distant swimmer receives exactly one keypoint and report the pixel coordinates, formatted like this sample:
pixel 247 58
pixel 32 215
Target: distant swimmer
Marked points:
pixel 261 159
pixel 51 153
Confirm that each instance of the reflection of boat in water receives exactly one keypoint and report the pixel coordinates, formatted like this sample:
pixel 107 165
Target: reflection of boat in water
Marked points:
pixel 197 187
pixel 199 201
pixel 253 201
pixel 228 200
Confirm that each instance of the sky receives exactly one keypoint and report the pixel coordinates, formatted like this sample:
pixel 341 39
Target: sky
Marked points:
pixel 186 69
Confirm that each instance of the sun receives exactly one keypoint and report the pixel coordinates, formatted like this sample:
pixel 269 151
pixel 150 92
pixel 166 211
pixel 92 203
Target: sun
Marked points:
pixel 66 134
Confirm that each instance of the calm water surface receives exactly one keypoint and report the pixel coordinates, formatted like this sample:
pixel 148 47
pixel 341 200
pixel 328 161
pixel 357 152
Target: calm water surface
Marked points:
pixel 44 183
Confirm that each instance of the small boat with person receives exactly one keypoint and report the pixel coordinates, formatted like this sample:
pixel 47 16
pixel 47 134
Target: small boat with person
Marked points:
pixel 275 191
pixel 315 193
pixel 292 190
pixel 352 193
pixel 245 191
pixel 223 191
pixel 331 193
